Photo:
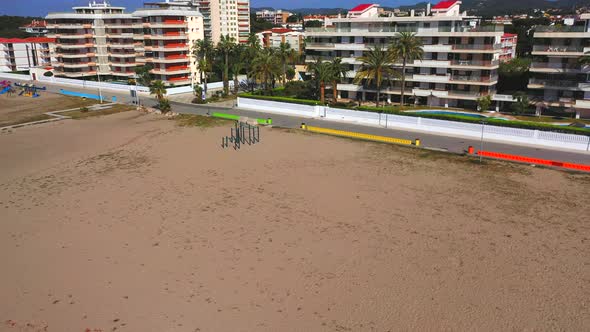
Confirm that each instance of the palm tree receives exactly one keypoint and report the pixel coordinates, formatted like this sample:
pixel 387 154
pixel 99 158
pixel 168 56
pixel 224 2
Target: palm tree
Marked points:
pixel 265 66
pixel 224 47
pixel 322 73
pixel 253 41
pixel 285 53
pixel 203 50
pixel 376 67
pixel 338 70
pixel 204 67
pixel 407 47
pixel 158 89
pixel 239 60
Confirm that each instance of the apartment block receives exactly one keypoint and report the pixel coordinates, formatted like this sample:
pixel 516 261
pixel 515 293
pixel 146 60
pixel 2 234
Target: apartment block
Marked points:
pixel 21 54
pixel 103 40
pixel 460 63
pixel 558 79
pixel 276 17
pixel 509 42
pixel 226 17
pixel 274 37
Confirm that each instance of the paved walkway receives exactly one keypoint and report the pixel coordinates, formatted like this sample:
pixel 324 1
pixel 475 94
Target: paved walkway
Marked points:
pixel 447 143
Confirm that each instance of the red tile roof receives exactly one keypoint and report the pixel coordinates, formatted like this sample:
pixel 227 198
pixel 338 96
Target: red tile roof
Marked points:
pixel 280 30
pixel 444 4
pixel 36 24
pixel 361 7
pixel 27 40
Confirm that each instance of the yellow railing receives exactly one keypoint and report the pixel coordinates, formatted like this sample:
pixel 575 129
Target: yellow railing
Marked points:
pixel 352 134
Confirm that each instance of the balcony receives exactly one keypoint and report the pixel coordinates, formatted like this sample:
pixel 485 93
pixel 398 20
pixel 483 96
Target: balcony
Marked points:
pixel 475 63
pixel 444 78
pixel 560 28
pixel 319 45
pixel 474 79
pixel 557 50
pixel 466 29
pixel 567 84
pixel 477 47
pixel 556 67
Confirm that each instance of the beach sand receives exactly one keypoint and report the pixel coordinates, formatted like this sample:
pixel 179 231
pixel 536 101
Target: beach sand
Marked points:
pixel 128 222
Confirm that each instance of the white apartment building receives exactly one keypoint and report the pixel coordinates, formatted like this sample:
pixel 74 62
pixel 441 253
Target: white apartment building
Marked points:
pixel 103 40
pixel 226 17
pixel 274 37
pixel 22 54
pixel 276 17
pixel 460 60
pixel 558 79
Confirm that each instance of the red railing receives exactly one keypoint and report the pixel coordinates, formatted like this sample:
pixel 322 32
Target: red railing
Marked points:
pixel 178 78
pixel 173 21
pixel 537 161
pixel 175 68
pixel 174 45
pixel 175 56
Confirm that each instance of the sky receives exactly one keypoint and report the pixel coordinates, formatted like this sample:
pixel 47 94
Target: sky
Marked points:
pixel 42 7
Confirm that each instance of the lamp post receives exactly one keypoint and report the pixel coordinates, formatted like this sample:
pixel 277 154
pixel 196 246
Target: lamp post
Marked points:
pixel 483 125
pixel 99 89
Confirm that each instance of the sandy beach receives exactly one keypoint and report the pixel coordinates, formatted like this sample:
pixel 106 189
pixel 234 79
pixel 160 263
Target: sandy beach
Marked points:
pixel 129 222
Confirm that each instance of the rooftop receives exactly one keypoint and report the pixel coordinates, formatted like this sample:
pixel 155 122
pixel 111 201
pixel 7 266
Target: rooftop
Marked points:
pixel 361 7
pixel 444 4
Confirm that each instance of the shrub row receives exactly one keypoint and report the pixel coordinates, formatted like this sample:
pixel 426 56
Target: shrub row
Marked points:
pixel 281 99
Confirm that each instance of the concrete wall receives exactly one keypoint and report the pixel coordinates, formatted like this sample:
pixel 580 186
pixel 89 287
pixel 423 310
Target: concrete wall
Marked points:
pixel 450 128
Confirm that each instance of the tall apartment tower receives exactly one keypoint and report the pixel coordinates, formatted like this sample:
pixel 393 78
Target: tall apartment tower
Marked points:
pixel 226 17
pixel 100 39
pixel 558 79
pixel 460 60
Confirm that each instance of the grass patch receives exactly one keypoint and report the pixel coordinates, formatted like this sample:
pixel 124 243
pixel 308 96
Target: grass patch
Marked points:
pixel 546 119
pixel 32 118
pixel 82 114
pixel 189 120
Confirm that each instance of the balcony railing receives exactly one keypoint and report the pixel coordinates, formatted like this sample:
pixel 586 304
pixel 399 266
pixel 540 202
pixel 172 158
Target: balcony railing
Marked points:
pixel 558 48
pixel 314 45
pixel 560 28
pixel 485 28
pixel 553 65
pixel 556 83
pixel 482 63
pixel 477 46
pixel 483 79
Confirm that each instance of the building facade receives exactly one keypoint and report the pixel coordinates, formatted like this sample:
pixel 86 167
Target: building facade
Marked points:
pixel 509 42
pixel 225 17
pixel 103 40
pixel 36 27
pixel 459 65
pixel 276 17
pixel 21 54
pixel 558 79
pixel 274 37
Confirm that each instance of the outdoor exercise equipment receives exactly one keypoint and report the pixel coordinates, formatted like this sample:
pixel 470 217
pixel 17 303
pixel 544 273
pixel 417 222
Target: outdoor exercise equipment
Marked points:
pixel 29 90
pixel 6 87
pixel 241 133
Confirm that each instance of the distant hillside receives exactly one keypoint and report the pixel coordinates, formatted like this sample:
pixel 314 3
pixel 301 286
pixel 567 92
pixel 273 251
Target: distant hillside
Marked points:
pixel 9 26
pixel 475 7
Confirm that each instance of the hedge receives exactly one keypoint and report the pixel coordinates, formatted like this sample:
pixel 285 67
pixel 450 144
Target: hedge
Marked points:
pixel 282 99
pixel 458 118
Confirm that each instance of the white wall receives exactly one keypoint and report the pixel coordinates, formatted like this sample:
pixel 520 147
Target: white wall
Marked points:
pixel 450 128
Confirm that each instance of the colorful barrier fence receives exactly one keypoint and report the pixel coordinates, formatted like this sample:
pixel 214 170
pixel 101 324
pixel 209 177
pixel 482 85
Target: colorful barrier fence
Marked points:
pixel 537 161
pixel 352 134
pixel 237 118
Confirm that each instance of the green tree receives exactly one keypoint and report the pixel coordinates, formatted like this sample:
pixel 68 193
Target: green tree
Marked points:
pixel 522 103
pixel 143 74
pixel 293 19
pixel 513 75
pixel 314 24
pixel 265 66
pixel 290 74
pixel 285 54
pixel 158 89
pixel 203 50
pixel 204 67
pixel 239 60
pixel 407 47
pixel 484 103
pixel 322 74
pixel 338 71
pixel 376 66
pixel 224 47
pixel 584 60
pixel 258 25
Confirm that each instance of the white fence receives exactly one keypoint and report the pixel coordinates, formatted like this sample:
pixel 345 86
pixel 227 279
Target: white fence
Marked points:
pixel 9 76
pixel 449 128
pixel 92 84
pixel 189 89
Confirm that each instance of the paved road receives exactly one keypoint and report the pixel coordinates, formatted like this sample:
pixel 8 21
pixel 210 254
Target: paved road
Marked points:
pixel 451 144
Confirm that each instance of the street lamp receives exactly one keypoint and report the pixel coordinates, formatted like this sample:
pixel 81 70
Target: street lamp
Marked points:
pixel 99 89
pixel 483 125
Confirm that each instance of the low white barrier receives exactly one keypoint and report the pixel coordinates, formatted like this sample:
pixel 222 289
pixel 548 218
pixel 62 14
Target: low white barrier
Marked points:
pixel 93 84
pixel 450 128
pixel 10 76
pixel 189 89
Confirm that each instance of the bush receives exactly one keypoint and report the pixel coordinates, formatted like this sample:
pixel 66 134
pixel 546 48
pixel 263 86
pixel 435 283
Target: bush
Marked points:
pixel 48 74
pixel 282 99
pixel 83 109
pixel 198 100
pixel 164 105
